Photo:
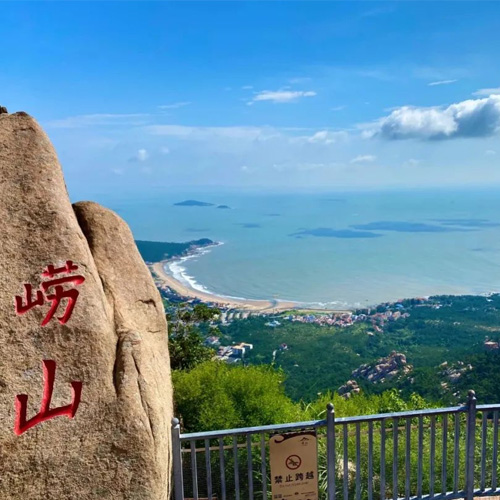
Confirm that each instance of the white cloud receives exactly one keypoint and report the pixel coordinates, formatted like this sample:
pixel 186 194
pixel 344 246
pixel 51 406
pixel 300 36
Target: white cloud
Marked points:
pixel 247 87
pixel 202 133
pixel 412 162
pixel 326 137
pixel 318 157
pixel 490 152
pixel 487 92
pixel 437 74
pixel 364 159
pixel 470 118
pixel 142 155
pixel 100 119
pixel 280 96
pixel 164 150
pixel 247 134
pixel 441 82
pixel 338 108
pixel 175 105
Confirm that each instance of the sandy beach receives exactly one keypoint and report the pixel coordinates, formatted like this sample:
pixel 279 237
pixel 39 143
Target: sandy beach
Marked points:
pixel 163 278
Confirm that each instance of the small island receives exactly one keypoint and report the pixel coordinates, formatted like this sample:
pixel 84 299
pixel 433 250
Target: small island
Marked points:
pixel 225 207
pixel 193 203
pixel 157 251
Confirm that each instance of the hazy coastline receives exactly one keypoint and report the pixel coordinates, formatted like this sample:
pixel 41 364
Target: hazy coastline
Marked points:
pixel 186 290
pixel 170 273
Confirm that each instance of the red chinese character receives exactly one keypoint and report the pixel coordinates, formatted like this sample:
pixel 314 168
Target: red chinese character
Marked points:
pixel 49 372
pixel 56 296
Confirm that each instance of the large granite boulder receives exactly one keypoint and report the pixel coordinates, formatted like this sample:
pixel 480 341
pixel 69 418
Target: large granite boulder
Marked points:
pixel 110 349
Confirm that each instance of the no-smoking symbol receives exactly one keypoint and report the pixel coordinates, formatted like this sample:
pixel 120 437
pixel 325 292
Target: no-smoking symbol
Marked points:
pixel 293 462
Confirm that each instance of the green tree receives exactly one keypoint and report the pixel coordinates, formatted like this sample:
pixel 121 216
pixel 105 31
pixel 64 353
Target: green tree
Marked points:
pixel 363 404
pixel 186 348
pixel 215 395
pixel 203 313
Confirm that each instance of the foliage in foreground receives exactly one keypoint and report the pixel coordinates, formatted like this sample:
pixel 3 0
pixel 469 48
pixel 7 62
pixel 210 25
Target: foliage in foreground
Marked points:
pixel 186 349
pixel 214 395
pixel 185 343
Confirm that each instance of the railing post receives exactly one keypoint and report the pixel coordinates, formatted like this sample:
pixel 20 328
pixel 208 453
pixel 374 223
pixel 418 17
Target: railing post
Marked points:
pixel 177 460
pixel 330 450
pixel 470 444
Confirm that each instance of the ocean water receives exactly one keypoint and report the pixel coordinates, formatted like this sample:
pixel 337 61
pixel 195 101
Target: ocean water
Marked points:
pixel 332 250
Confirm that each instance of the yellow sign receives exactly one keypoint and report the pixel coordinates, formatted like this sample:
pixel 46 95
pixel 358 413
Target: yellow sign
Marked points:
pixel 294 466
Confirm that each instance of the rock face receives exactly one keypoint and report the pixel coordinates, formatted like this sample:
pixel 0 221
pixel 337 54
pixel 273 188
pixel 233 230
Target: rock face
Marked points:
pixel 491 345
pixel 117 445
pixel 384 369
pixel 348 389
pixel 453 372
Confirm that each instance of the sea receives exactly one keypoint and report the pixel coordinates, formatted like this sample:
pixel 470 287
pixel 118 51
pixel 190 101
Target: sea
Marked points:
pixel 328 250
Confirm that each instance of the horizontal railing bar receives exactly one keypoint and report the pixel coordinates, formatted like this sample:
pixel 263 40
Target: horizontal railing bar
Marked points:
pixel 217 448
pixel 448 496
pixel 322 423
pixel 488 407
pixel 401 421
pixel 404 414
pixel 253 430
pixel 389 430
pixel 486 493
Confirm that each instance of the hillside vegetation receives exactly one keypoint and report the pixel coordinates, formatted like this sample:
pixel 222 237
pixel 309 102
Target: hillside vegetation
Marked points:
pixel 440 345
pixel 443 341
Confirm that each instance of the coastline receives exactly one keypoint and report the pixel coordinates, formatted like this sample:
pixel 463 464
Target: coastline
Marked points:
pixel 162 278
pixel 184 289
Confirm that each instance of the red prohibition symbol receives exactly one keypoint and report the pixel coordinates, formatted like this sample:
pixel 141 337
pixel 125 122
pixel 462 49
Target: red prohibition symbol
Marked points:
pixel 293 462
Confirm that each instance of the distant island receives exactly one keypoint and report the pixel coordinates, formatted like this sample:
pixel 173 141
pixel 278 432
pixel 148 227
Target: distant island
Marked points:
pixel 156 251
pixel 223 206
pixel 193 203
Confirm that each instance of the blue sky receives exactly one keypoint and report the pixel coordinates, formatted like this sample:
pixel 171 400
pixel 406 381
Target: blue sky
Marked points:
pixel 141 96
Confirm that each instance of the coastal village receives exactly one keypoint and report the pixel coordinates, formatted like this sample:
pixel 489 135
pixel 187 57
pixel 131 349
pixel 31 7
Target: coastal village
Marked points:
pixel 226 313
pixel 375 321
pixel 376 317
pixel 235 353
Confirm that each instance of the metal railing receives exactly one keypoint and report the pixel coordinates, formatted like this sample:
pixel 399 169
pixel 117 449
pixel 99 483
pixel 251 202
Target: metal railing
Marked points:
pixel 442 453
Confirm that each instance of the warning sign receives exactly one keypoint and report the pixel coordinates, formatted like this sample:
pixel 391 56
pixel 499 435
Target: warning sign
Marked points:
pixel 294 466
